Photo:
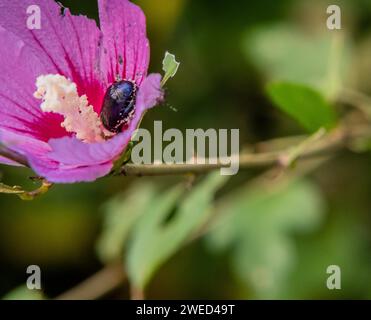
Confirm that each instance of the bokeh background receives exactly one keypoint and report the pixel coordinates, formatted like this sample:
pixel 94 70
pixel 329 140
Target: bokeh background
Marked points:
pixel 271 240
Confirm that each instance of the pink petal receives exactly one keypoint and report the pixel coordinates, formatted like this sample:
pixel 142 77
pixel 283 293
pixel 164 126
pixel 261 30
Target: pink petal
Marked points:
pixel 26 146
pixel 66 44
pixel 150 92
pixel 9 162
pixel 40 157
pixel 126 47
pixel 57 174
pixel 71 152
pixel 71 160
pixel 19 111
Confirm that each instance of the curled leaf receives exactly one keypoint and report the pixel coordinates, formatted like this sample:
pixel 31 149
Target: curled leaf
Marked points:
pixel 23 194
pixel 10 190
pixel 170 66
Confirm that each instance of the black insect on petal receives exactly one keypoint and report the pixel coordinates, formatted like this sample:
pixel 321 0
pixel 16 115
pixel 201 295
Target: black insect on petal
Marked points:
pixel 118 105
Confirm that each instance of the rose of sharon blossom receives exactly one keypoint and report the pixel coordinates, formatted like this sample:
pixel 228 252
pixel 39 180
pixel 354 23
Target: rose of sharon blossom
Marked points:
pixel 53 81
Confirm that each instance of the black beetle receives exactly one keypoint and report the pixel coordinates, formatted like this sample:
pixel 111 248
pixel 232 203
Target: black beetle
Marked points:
pixel 118 105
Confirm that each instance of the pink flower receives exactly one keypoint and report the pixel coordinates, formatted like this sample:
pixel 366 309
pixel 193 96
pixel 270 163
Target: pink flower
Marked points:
pixel 80 61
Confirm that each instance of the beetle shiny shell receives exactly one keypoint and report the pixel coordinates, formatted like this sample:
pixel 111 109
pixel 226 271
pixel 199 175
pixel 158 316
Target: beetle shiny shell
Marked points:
pixel 118 105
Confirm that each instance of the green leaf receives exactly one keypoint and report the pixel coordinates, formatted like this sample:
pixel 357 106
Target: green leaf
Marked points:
pixel 155 239
pixel 170 66
pixel 304 104
pixel 256 225
pixel 121 213
pixel 23 293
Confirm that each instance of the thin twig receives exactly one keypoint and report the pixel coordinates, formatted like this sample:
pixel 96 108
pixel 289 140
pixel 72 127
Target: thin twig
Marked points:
pixel 335 140
pixel 136 293
pixel 98 285
pixel 356 99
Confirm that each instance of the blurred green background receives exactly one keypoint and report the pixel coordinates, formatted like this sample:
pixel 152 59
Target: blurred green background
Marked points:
pixel 271 242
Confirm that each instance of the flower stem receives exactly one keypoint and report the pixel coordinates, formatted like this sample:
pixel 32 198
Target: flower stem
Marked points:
pixel 317 145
